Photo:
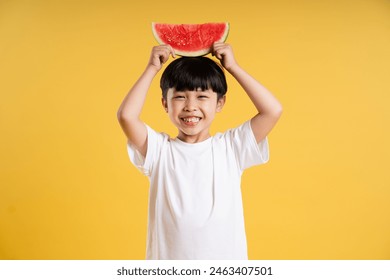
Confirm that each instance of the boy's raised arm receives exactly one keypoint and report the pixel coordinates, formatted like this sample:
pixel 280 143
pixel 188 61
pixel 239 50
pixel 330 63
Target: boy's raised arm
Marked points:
pixel 268 107
pixel 130 110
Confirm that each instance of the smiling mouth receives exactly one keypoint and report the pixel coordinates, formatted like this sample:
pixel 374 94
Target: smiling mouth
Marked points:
pixel 191 120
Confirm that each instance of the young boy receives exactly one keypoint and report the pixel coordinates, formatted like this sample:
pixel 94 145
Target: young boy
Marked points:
pixel 195 204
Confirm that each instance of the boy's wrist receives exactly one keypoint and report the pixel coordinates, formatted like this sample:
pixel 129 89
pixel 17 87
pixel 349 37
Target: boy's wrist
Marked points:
pixel 233 69
pixel 151 69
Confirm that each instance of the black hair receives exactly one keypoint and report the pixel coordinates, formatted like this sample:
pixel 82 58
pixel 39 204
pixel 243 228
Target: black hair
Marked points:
pixel 192 73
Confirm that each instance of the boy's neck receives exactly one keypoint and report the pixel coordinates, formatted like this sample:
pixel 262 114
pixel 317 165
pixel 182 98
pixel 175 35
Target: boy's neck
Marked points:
pixel 192 139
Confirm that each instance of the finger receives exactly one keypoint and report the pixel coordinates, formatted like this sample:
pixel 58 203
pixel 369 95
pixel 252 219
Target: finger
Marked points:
pixel 172 51
pixel 163 53
pixel 216 50
pixel 220 49
pixel 219 45
pixel 164 56
pixel 219 55
pixel 168 49
pixel 219 52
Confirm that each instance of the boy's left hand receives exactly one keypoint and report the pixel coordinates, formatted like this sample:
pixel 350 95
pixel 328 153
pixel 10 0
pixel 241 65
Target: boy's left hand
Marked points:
pixel 224 53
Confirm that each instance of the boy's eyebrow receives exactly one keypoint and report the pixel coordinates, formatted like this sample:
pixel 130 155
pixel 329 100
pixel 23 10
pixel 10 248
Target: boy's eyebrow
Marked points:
pixel 194 90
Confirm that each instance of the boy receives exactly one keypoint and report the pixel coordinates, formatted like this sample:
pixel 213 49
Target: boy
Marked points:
pixel 195 205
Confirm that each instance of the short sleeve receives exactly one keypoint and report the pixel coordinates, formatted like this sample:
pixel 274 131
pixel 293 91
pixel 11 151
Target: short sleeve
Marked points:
pixel 145 164
pixel 247 151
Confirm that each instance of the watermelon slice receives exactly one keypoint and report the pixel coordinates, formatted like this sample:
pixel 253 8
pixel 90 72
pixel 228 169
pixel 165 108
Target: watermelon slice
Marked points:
pixel 190 39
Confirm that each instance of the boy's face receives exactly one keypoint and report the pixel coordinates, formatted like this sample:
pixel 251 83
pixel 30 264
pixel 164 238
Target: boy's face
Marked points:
pixel 192 112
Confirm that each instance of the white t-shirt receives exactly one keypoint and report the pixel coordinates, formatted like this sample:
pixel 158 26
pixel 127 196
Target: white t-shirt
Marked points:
pixel 195 204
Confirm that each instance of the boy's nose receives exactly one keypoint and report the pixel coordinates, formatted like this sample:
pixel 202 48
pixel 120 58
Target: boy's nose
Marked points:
pixel 190 106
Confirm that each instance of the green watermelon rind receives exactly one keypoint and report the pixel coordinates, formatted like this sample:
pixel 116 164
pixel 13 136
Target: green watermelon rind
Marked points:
pixel 200 52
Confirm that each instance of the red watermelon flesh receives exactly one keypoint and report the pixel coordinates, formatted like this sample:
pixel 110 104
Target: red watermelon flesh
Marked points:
pixel 190 39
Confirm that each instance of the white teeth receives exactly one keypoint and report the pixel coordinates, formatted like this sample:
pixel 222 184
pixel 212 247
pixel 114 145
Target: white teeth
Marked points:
pixel 192 119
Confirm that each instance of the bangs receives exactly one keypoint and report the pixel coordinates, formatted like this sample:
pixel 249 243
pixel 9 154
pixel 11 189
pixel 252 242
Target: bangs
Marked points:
pixel 192 79
pixel 194 73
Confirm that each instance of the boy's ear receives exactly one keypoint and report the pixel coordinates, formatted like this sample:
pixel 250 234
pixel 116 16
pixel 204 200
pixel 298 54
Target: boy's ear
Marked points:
pixel 220 103
pixel 165 104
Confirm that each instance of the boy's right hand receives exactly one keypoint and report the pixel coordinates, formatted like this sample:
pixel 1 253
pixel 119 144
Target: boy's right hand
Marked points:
pixel 160 55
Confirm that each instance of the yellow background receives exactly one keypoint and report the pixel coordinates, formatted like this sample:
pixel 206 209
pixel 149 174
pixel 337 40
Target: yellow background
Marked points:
pixel 68 190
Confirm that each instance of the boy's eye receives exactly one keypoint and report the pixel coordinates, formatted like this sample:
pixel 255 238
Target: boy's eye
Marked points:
pixel 179 97
pixel 203 96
